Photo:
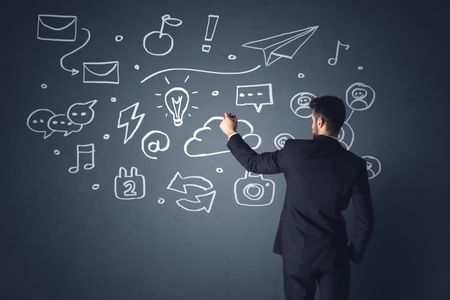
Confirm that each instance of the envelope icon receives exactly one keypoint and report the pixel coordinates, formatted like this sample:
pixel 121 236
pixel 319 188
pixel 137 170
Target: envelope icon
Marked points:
pixel 57 28
pixel 101 72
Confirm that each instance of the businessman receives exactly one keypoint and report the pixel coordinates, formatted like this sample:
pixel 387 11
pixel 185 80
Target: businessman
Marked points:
pixel 321 179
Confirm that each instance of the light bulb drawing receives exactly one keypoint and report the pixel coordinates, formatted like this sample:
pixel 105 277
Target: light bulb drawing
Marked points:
pixel 177 101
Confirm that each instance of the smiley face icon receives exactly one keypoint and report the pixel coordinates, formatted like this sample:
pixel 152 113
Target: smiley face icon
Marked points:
pixel 360 96
pixel 300 104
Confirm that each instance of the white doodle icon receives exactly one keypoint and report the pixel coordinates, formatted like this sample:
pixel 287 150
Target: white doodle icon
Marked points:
pixel 177 100
pixel 129 186
pixel 181 184
pixel 256 95
pixel 210 30
pixel 37 121
pixel 373 166
pixel 281 139
pixel 59 28
pixel 74 71
pixel 46 121
pixel 130 120
pixel 346 136
pixel 153 142
pixel 300 104
pixel 81 113
pixel 61 123
pixel 332 61
pixel 283 45
pixel 160 43
pixel 254 190
pixel 359 96
pixel 101 72
pixel 202 143
pixel 85 157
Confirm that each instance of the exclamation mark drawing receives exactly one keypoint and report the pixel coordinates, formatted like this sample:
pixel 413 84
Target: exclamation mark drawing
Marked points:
pixel 210 30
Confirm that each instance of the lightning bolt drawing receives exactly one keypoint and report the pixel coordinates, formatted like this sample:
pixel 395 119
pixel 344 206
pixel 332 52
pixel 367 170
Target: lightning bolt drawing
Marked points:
pixel 129 119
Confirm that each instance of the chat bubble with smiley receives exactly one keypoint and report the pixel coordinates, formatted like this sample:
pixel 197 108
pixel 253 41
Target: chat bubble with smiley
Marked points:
pixel 360 96
pixel 38 119
pixel 60 123
pixel 81 113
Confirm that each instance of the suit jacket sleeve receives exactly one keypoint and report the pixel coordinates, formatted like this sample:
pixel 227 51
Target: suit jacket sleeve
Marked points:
pixel 264 163
pixel 364 215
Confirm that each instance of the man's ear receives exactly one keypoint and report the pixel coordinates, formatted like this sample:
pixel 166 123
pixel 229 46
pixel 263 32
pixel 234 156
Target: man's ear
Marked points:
pixel 320 122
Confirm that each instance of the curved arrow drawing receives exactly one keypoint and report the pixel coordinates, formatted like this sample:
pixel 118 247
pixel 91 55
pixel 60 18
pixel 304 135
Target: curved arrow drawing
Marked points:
pixel 61 61
pixel 203 202
pixel 179 183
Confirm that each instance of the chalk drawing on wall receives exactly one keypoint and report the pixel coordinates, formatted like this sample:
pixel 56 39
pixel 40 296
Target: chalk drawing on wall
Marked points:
pixel 130 120
pixel 59 28
pixel 359 96
pixel 85 158
pixel 74 71
pixel 254 190
pixel 210 31
pixel 81 113
pixel 373 166
pixel 201 71
pixel 101 72
pixel 153 142
pixel 207 140
pixel 37 121
pixel 61 123
pixel 46 121
pixel 283 45
pixel 203 201
pixel 129 186
pixel 281 138
pixel 159 43
pixel 332 61
pixel 256 95
pixel 346 136
pixel 300 104
pixel 176 100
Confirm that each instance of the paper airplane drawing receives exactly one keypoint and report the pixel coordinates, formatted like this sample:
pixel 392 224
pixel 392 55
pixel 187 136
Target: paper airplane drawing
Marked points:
pixel 282 45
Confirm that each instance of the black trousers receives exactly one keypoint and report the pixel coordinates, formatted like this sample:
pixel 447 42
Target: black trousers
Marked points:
pixel 300 282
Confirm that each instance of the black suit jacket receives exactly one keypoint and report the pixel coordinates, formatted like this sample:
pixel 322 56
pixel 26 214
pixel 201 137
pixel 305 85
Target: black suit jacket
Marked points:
pixel 321 178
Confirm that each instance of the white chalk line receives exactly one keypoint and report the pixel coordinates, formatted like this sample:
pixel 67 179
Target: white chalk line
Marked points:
pixel 201 71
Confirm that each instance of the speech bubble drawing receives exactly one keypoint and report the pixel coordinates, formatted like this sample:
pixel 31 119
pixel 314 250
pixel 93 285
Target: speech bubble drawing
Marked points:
pixel 38 119
pixel 61 123
pixel 81 113
pixel 254 94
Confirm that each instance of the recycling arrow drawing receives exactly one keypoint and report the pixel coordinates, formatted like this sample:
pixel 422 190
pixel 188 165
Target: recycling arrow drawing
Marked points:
pixel 181 184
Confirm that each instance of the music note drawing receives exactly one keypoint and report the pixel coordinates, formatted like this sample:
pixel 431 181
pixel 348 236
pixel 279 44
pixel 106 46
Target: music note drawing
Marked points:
pixel 85 157
pixel 332 61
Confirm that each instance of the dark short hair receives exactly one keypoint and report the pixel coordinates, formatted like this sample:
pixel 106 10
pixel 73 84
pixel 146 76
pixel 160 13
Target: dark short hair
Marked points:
pixel 332 109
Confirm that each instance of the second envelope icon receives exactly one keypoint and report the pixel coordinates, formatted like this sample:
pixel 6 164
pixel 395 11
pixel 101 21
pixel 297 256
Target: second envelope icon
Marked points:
pixel 101 72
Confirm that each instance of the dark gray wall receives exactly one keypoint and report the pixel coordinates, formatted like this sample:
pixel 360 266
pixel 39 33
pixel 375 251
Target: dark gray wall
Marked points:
pixel 60 239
